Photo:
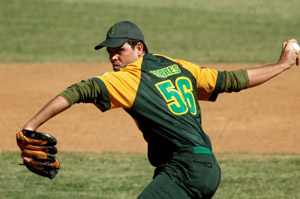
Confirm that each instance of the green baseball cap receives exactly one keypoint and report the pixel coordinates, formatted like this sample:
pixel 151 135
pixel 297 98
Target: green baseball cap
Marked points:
pixel 119 33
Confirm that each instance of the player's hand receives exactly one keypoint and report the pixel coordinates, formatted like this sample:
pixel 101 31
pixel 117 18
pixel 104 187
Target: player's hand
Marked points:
pixel 289 56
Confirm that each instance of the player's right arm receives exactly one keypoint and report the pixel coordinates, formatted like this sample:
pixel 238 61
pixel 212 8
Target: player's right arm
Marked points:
pixel 86 91
pixel 52 108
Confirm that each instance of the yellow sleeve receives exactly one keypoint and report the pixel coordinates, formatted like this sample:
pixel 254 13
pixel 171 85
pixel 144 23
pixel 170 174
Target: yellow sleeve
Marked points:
pixel 118 89
pixel 208 80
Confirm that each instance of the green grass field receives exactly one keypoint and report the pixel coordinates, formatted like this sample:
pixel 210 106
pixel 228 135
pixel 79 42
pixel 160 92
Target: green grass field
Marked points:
pixel 196 30
pixel 123 176
pixel 202 31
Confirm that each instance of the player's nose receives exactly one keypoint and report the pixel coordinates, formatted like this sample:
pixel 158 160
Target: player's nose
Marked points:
pixel 114 57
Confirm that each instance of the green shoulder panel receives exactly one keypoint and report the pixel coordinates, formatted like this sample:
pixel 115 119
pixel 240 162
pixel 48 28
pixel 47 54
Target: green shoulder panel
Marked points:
pixel 218 87
pixel 104 105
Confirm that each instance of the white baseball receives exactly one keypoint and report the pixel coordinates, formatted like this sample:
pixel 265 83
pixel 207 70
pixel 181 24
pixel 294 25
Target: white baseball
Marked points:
pixel 295 46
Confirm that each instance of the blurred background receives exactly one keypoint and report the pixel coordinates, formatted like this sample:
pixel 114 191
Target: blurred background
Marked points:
pixel 196 30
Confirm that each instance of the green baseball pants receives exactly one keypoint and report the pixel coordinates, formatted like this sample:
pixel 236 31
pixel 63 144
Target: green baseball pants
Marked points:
pixel 192 173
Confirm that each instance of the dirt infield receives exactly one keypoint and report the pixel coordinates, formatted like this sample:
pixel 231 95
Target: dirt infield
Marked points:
pixel 261 120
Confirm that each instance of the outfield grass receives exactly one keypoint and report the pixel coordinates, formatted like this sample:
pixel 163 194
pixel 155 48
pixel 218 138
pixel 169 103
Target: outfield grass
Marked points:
pixel 202 31
pixel 123 176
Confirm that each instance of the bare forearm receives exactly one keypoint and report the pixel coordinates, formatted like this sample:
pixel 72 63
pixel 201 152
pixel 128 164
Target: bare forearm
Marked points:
pixel 262 74
pixel 85 91
pixel 52 108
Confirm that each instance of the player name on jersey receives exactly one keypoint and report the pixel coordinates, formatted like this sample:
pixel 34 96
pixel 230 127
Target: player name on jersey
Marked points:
pixel 167 71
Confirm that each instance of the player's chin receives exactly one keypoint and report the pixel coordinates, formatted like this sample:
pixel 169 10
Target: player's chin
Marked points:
pixel 116 67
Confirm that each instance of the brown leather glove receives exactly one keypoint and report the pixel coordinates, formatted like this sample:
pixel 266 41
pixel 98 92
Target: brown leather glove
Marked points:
pixel 39 150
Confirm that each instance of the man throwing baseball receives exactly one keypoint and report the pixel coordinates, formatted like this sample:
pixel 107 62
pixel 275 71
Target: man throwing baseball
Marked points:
pixel 161 94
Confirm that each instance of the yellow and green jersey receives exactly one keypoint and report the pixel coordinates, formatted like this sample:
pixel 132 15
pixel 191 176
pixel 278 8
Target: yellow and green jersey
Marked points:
pixel 161 94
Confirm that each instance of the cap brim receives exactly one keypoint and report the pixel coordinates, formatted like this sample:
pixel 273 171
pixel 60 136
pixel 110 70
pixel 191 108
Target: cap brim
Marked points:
pixel 111 43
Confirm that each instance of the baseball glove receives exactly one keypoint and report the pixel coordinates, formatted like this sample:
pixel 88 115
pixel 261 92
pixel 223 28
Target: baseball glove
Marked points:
pixel 39 150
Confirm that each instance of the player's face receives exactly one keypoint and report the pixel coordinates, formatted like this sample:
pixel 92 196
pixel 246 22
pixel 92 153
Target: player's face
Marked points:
pixel 123 55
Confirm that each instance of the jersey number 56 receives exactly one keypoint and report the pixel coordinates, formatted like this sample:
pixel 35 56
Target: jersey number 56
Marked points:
pixel 180 99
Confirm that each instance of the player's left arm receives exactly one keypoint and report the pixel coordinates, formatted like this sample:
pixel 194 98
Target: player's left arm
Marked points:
pixel 289 56
pixel 86 91
pixel 55 106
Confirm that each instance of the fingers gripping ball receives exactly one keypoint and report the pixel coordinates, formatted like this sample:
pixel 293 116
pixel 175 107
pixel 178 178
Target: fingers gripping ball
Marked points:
pixel 38 151
pixel 295 46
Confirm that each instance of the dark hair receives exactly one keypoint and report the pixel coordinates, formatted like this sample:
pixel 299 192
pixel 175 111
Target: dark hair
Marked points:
pixel 134 42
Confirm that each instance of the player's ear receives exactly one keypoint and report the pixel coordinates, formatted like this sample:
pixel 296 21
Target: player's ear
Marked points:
pixel 140 49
